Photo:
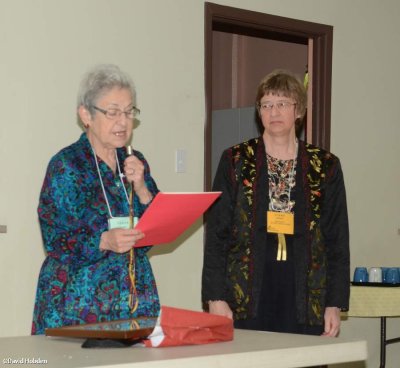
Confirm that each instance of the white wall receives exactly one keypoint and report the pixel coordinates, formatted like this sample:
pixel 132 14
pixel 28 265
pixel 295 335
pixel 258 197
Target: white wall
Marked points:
pixel 46 46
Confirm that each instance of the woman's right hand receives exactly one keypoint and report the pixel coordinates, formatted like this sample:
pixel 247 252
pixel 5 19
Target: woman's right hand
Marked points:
pixel 221 308
pixel 120 240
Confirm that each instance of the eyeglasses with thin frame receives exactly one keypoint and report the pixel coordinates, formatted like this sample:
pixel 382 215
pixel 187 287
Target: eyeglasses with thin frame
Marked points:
pixel 116 113
pixel 280 105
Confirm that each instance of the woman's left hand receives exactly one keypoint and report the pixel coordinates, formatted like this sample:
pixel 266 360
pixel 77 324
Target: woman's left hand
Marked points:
pixel 332 321
pixel 134 172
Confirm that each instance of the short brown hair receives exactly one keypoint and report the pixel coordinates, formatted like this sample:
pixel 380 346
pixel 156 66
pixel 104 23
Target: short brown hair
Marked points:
pixel 283 83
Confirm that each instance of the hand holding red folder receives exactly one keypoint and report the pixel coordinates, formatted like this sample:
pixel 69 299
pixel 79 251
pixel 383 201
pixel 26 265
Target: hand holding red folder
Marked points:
pixel 170 214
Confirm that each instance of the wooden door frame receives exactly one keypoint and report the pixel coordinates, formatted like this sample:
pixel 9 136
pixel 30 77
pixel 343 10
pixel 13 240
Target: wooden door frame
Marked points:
pixel 239 21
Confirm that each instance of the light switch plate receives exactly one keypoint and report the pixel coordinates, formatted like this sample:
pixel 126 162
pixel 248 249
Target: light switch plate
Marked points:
pixel 180 161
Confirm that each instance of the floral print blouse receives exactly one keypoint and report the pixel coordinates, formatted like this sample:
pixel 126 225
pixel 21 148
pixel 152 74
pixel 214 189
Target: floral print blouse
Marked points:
pixel 79 283
pixel 282 179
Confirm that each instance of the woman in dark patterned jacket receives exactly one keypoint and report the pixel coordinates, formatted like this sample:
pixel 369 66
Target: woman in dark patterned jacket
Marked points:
pixel 277 241
pixel 91 272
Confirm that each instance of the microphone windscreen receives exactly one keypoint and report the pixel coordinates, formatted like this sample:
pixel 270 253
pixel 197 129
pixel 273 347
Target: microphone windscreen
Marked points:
pixel 129 150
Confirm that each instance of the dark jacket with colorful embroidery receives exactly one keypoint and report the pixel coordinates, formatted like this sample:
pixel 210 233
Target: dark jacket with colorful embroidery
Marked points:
pixel 236 237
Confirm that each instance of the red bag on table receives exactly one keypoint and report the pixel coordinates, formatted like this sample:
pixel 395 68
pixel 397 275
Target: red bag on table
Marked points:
pixel 185 327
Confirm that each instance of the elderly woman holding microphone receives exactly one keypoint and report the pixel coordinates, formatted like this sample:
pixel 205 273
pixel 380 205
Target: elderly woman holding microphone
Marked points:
pixel 91 189
pixel 277 242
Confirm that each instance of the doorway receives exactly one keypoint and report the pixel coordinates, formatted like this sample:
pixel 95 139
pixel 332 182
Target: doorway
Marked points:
pixel 244 39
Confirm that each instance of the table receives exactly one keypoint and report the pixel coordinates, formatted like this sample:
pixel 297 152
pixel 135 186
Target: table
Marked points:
pixel 381 302
pixel 249 349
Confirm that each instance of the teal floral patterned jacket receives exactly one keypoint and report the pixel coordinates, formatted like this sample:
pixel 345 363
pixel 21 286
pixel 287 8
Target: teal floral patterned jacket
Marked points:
pixel 79 283
pixel 236 236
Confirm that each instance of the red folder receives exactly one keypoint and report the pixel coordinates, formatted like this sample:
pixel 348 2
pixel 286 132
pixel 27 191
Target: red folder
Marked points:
pixel 170 214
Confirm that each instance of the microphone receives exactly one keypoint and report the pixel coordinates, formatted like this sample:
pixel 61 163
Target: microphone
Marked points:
pixel 129 150
pixel 132 218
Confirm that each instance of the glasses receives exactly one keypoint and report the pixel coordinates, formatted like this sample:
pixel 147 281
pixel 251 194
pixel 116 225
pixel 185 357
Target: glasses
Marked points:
pixel 281 105
pixel 116 113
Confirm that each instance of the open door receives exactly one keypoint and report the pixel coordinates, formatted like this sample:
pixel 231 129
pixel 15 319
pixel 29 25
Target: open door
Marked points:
pixel 244 26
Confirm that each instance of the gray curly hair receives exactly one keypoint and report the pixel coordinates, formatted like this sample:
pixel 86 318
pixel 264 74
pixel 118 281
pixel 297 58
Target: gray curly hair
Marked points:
pixel 100 80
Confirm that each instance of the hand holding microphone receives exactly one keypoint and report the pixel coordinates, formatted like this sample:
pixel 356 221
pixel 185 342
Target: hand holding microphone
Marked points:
pixel 134 172
pixel 134 169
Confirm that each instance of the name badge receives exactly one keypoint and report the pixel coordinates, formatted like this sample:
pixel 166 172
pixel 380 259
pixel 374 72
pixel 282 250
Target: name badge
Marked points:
pixel 123 222
pixel 280 222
